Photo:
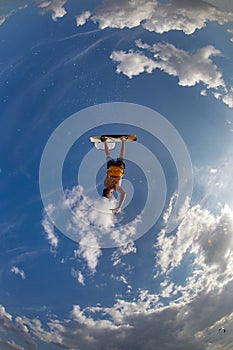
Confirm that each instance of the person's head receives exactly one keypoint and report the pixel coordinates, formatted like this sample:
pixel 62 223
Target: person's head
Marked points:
pixel 107 191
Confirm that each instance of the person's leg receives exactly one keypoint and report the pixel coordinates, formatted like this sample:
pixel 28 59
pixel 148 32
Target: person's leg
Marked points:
pixel 107 152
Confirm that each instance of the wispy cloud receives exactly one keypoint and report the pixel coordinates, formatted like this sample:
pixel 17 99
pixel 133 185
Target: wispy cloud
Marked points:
pixel 90 254
pixel 5 16
pixel 49 229
pixel 130 247
pixel 78 276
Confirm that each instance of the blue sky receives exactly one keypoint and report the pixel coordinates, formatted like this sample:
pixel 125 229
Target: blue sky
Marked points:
pixel 161 70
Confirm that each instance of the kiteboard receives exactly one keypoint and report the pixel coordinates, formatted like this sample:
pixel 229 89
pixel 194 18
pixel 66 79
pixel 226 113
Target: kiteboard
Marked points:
pixel 113 138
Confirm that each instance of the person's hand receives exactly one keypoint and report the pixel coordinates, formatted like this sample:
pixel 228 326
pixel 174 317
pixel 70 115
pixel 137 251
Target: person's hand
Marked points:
pixel 116 210
pixel 123 138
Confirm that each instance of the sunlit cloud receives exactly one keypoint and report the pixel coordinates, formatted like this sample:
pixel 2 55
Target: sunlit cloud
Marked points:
pixel 82 19
pixel 132 63
pixel 54 6
pixel 187 16
pixel 189 68
pixel 130 247
pixel 215 182
pixel 121 14
pixel 205 237
pixel 90 254
pixel 92 224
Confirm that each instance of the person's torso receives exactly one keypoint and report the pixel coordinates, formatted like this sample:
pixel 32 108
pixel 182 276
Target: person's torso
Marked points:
pixel 115 171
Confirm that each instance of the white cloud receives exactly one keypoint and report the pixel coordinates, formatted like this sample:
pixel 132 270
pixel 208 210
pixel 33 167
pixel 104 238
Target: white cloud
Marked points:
pixel 228 98
pixel 203 92
pixel 168 212
pixel 138 324
pixel 90 254
pixel 3 18
pixel 199 305
pixel 82 19
pixel 133 63
pixel 126 249
pixel 123 13
pixel 204 238
pixel 208 239
pixel 4 315
pixel 54 6
pixel 187 16
pixel 49 229
pixel 92 224
pixel 15 270
pixel 78 276
pixel 189 68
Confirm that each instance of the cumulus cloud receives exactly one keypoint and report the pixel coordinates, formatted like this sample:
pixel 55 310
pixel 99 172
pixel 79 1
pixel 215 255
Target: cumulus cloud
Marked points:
pixel 94 222
pixel 132 63
pixel 54 6
pixel 15 270
pixel 82 19
pixel 92 225
pixel 144 321
pixel 187 16
pixel 207 240
pixel 140 323
pixel 16 332
pixel 121 13
pixel 189 68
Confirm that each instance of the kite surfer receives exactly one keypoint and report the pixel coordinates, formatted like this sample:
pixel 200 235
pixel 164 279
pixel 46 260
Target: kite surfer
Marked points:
pixel 115 172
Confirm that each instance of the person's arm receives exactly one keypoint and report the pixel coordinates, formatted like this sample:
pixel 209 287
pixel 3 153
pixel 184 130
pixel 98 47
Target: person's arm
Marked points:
pixel 121 201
